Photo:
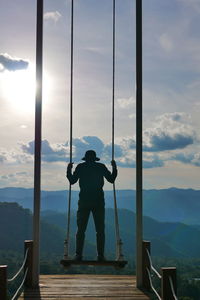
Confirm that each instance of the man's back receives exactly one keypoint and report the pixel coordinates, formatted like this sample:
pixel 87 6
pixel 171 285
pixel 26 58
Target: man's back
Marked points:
pixel 91 176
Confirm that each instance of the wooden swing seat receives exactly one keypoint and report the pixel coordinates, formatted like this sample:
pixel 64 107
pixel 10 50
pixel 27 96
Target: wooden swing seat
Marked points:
pixel 113 263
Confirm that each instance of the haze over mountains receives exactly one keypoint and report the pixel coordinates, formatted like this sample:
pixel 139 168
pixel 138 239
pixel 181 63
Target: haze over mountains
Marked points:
pixel 167 239
pixel 166 205
pixel 171 216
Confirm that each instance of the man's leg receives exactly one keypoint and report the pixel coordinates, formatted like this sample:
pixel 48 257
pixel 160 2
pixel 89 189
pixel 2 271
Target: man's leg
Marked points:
pixel 82 221
pixel 99 221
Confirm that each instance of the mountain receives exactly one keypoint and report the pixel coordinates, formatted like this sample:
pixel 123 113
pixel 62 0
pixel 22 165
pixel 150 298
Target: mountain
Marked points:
pixel 167 239
pixel 165 205
pixel 16 226
pixel 173 205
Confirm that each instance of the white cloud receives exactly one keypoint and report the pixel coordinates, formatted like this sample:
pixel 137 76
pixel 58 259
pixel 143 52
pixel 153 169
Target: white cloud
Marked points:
pixel 192 158
pixel 166 42
pixel 52 15
pixel 10 63
pixel 14 156
pixel 171 131
pixel 162 141
pixel 59 153
pixel 126 103
pixel 50 153
pixel 132 116
pixel 2 158
pixel 16 178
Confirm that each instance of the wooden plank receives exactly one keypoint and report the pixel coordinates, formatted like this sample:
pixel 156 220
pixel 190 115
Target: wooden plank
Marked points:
pixel 87 287
pixel 113 263
pixel 64 297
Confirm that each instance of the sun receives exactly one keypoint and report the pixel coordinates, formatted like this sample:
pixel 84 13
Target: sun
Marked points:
pixel 19 89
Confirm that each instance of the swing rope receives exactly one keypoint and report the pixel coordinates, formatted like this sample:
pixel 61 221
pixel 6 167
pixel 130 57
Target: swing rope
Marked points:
pixel 67 240
pixel 119 255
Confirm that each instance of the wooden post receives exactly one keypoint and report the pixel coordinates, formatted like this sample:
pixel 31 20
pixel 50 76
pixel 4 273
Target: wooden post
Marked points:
pixel 38 134
pixel 29 263
pixel 139 175
pixel 166 290
pixel 3 282
pixel 146 246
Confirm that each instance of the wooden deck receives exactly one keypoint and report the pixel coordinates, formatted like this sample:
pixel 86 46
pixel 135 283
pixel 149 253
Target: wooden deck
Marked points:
pixel 85 287
pixel 113 263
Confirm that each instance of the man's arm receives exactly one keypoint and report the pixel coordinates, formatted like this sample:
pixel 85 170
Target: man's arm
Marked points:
pixel 111 176
pixel 73 178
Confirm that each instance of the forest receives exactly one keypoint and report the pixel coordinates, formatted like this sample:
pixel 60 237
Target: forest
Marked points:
pixel 16 226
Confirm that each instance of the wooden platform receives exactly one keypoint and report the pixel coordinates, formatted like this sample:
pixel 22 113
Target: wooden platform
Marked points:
pixel 112 263
pixel 85 287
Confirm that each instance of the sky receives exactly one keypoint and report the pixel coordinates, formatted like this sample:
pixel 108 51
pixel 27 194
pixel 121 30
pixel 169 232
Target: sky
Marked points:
pixel 171 84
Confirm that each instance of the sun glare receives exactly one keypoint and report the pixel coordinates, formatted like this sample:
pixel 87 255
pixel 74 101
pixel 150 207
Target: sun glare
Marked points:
pixel 19 89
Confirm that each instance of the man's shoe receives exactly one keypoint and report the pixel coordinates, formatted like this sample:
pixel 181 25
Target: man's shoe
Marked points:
pixel 77 257
pixel 101 258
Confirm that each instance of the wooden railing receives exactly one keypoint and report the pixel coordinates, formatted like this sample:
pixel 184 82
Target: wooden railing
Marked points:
pixel 167 276
pixel 26 267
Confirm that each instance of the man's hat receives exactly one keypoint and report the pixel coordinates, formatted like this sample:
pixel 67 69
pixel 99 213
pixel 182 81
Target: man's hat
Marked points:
pixel 90 155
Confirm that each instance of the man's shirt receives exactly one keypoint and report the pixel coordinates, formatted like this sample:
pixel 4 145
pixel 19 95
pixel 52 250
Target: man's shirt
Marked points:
pixel 91 177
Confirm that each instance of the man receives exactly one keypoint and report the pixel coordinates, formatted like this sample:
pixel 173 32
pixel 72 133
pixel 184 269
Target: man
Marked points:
pixel 91 199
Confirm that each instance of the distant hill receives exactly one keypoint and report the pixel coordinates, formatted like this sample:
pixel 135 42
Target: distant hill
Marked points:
pixel 16 226
pixel 166 205
pixel 168 239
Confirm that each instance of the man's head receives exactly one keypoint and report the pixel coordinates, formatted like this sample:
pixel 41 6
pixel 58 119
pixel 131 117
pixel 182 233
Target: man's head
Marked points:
pixel 90 156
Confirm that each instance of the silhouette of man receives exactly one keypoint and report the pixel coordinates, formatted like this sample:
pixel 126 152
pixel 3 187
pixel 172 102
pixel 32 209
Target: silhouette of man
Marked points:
pixel 91 199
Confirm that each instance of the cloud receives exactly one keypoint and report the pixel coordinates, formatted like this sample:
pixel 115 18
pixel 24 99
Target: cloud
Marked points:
pixel 2 158
pixel 29 148
pixel 154 162
pixel 81 145
pixel 14 156
pixel 124 152
pixel 60 152
pixel 15 178
pixel 50 153
pixel 7 177
pixel 52 15
pixel 7 156
pixel 12 64
pixel 166 42
pixel 170 132
pixel 128 105
pixel 125 103
pixel 132 116
pixel 162 141
pixel 191 158
pixel 149 161
pixel 118 150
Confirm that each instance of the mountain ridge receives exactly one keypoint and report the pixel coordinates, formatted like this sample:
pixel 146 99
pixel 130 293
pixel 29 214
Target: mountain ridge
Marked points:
pixel 165 205
pixel 167 239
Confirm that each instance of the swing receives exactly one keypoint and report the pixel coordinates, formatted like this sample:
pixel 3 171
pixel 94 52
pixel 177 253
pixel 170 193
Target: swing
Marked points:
pixel 119 262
